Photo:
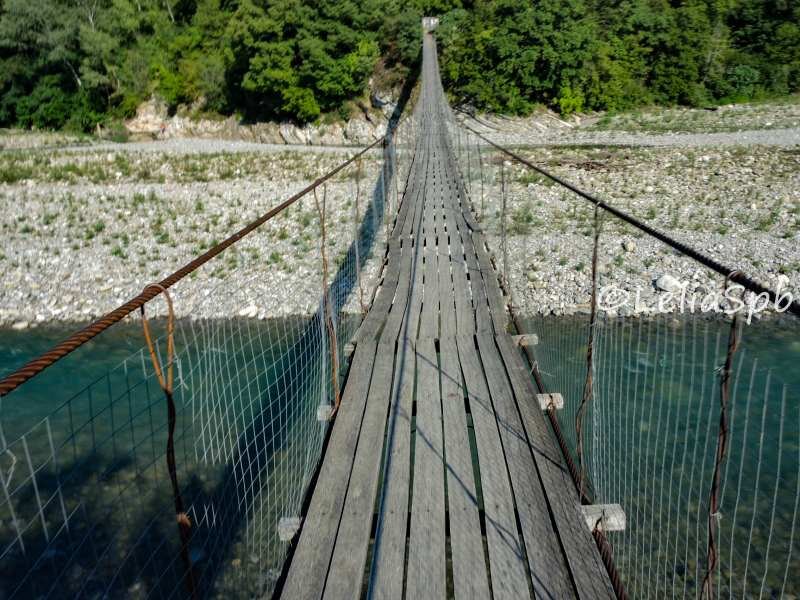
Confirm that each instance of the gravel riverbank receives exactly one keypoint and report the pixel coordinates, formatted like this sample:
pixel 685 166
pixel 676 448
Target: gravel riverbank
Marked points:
pixel 86 226
pixel 739 206
pixel 84 232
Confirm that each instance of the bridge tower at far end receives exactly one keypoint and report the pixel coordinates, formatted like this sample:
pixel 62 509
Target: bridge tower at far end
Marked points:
pixel 430 23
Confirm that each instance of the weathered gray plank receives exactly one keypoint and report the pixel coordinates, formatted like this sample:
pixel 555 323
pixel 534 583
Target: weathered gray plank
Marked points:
pixel 352 540
pixel 549 573
pixel 465 316
pixel 470 580
pixel 465 311
pixel 448 235
pixel 591 578
pixel 506 558
pixel 483 318
pixel 318 535
pixel 495 298
pixel 426 553
pixel 390 538
pixel 352 543
pixel 430 303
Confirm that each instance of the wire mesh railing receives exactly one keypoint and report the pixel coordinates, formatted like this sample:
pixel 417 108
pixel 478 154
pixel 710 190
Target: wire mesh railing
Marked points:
pixel 680 394
pixel 259 354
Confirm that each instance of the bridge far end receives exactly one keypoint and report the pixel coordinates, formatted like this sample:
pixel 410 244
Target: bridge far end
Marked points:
pixel 430 23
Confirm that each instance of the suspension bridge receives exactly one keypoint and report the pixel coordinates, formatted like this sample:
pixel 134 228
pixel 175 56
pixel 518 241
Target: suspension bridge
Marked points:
pixel 434 350
pixel 412 435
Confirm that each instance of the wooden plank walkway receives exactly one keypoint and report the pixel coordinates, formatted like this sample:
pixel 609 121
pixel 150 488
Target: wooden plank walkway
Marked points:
pixel 441 478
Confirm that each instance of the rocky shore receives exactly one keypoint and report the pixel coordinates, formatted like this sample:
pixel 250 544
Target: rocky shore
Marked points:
pixel 84 232
pixel 152 121
pixel 739 206
pixel 87 225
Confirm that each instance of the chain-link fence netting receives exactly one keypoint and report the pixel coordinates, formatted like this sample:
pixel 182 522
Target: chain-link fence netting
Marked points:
pixel 261 343
pixel 644 358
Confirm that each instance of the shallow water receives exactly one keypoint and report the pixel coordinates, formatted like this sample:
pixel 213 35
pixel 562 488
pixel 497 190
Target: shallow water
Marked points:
pixel 87 499
pixel 247 440
pixel 650 434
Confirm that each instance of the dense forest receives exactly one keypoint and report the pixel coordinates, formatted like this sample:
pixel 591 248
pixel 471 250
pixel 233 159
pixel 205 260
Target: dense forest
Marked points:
pixel 77 63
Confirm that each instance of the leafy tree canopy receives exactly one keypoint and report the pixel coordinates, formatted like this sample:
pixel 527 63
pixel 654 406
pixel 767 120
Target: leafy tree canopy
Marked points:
pixel 75 63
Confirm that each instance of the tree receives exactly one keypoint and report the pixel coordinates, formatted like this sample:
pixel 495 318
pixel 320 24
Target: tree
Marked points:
pixel 73 62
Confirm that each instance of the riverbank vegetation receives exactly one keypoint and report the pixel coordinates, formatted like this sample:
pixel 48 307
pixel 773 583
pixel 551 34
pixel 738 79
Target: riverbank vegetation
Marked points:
pixel 74 64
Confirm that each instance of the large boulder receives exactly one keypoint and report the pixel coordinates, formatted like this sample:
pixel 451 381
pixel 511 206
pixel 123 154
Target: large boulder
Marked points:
pixel 291 134
pixel 384 102
pixel 360 132
pixel 152 120
pixel 266 133
pixel 150 116
pixel 328 135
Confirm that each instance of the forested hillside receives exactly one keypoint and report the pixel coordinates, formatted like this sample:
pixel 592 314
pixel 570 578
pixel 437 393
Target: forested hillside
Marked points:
pixel 575 55
pixel 76 63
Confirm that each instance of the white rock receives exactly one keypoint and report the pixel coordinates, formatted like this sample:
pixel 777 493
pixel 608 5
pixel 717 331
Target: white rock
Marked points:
pixel 149 117
pixel 668 283
pixel 20 325
pixel 250 311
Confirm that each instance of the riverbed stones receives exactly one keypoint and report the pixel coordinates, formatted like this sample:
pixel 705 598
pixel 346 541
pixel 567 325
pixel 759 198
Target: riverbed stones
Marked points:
pixel 668 283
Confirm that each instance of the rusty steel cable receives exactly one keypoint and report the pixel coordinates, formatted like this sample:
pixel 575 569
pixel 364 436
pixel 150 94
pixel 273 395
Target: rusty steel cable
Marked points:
pixel 579 481
pixel 326 302
pixel 607 555
pixel 12 381
pixel 720 455
pixel 165 380
pixel 733 275
pixel 588 387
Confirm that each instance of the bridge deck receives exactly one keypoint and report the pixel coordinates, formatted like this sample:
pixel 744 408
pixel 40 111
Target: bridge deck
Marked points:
pixel 441 478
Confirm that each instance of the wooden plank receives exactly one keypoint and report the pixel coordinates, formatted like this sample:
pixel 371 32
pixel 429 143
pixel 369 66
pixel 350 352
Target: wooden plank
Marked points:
pixel 506 562
pixel 390 538
pixel 399 251
pixel 483 318
pixel 449 243
pixel 590 577
pixel 464 313
pixel 318 534
pixel 549 573
pixel 470 580
pixel 555 400
pixel 430 303
pixel 607 517
pixel 495 298
pixel 352 540
pixel 447 301
pixel 383 300
pixel 426 553
pixel 525 339
pixel 414 308
pixel 375 317
pixel 352 543
pixel 480 300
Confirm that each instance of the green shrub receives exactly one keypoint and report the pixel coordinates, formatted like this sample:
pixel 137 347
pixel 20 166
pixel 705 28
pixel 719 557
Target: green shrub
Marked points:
pixel 48 106
pixel 570 100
